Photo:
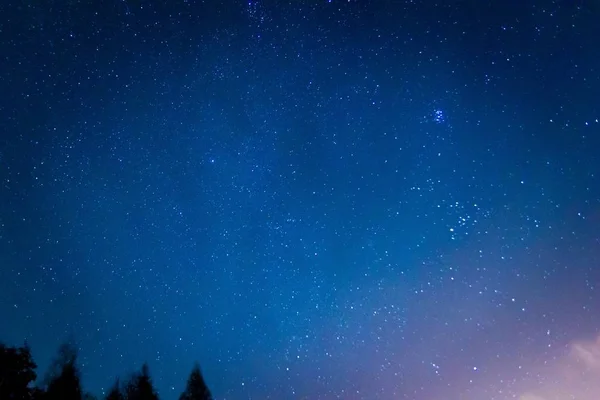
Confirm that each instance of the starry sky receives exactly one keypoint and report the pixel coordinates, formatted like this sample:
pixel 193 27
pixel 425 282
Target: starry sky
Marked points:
pixel 314 199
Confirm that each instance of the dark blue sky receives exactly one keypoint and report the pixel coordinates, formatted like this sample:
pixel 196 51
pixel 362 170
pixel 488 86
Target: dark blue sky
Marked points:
pixel 324 200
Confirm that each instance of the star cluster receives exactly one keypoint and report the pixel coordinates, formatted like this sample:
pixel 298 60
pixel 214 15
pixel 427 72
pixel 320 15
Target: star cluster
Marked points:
pixel 327 199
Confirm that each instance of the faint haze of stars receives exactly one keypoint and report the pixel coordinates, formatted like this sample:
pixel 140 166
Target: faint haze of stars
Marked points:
pixel 329 200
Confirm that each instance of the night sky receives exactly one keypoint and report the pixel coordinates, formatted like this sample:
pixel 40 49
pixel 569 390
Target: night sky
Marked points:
pixel 313 199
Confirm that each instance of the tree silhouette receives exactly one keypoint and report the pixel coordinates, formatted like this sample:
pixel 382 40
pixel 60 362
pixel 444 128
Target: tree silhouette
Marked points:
pixel 115 392
pixel 63 380
pixel 196 388
pixel 17 371
pixel 37 394
pixel 140 386
pixel 63 377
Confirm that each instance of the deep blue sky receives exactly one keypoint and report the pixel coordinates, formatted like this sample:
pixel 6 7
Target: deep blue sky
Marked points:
pixel 324 200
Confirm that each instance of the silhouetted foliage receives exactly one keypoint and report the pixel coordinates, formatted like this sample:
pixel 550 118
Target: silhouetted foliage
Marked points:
pixel 115 392
pixel 196 388
pixel 63 380
pixel 17 372
pixel 140 386
pixel 37 394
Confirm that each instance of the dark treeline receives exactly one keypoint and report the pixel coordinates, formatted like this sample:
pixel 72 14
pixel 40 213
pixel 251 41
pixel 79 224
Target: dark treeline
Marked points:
pixel 63 379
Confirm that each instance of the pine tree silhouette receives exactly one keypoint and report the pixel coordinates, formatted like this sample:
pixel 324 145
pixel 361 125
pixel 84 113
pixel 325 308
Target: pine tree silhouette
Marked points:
pixel 17 371
pixel 37 394
pixel 140 386
pixel 115 392
pixel 196 388
pixel 64 381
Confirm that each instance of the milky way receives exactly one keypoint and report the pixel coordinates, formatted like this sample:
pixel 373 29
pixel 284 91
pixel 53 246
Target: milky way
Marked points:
pixel 324 200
